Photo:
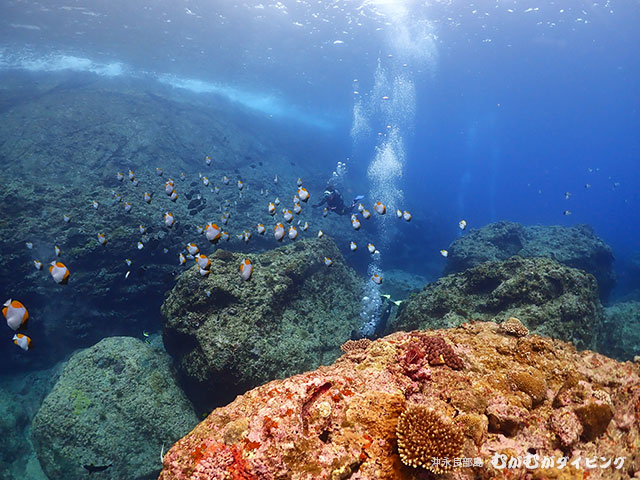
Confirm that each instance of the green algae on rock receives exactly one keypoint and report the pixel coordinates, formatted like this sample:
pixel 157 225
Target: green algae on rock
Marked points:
pixel 291 316
pixel 108 408
pixel 576 246
pixel 551 299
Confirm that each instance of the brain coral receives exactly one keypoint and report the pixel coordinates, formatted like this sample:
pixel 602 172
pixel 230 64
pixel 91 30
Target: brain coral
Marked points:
pixel 423 435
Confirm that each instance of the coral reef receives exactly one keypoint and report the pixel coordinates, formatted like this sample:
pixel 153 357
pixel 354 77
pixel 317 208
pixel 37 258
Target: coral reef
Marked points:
pixel 575 246
pixel 550 298
pixel 228 335
pixel 515 402
pixel 114 403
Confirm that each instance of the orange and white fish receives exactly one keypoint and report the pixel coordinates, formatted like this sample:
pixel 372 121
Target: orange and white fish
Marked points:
pixel 207 160
pixel 134 182
pixel 181 259
pixel 299 183
pixel 192 248
pixel 305 226
pixel 131 175
pixel 95 204
pixel 212 232
pixel 128 262
pixel 59 272
pixel 120 176
pixel 275 179
pixel 327 261
pixel 246 269
pixel 320 233
pixel 287 214
pixel 102 240
pixel 407 216
pixel 462 224
pixel 147 197
pixel 224 236
pixel 325 211
pixel 216 189
pixel 371 247
pixel 355 223
pixel 380 208
pixel 204 272
pixel 174 196
pixel 398 213
pixel 142 229
pixel 260 228
pixel 127 207
pixel 277 201
pixel 353 246
pixel 200 229
pixel 297 209
pixel 303 194
pixel 16 314
pixel 22 341
pixel 376 279
pixel 225 180
pixel 366 213
pixel 168 187
pixel 240 184
pixel 169 220
pixel 246 236
pixel 271 208
pixel 140 245
pixel 57 250
pixel 293 232
pixel 444 253
pixel 66 218
pixel 296 199
pixel 159 171
pixel 360 207
pixel 37 264
pixel 278 231
pixel 183 176
pixel 203 261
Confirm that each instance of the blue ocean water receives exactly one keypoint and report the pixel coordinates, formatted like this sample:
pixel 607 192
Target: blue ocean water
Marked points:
pixel 482 111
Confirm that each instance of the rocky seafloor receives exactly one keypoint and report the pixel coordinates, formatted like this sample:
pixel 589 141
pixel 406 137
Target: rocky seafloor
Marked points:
pixel 483 393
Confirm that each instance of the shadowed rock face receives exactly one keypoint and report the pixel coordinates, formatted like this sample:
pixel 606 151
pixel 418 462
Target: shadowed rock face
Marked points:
pixel 507 394
pixel 621 332
pixel 551 299
pixel 291 316
pixel 115 403
pixel 576 247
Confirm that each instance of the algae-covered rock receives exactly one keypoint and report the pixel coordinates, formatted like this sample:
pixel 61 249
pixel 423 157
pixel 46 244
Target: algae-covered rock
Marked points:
pixel 228 335
pixel 115 403
pixel 551 299
pixel 621 332
pixel 576 246
pixel 507 399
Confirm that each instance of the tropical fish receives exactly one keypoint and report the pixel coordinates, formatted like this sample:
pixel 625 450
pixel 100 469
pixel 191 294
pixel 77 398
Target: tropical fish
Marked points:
pixel 240 184
pixel 204 272
pixel 16 314
pixel 57 250
pixel 174 196
pixel 159 171
pixel 407 216
pixel 29 245
pixel 208 160
pixel 127 261
pixel 95 204
pixel 168 187
pixel 278 231
pixel 140 245
pixel 132 175
pixel 127 207
pixel 327 261
pixel 169 220
pixel 260 228
pixel 297 209
pixel 303 194
pixel 320 233
pixel 205 181
pixel 225 180
pixel 366 213
pixel 59 272
pixel 444 253
pixel 398 213
pixel 212 232
pixel 371 247
pixel 380 208
pixel 287 214
pixel 246 269
pixel 142 229
pixel 277 201
pixel 299 183
pixel 66 218
pixel 181 259
pixel 293 232
pixel 22 341
pixel 203 261
pixel 376 279
pixel 355 223
pixel 462 224
pixel 192 248
pixel 37 264
pixel 119 176
pixel 102 240
pixel 147 197
pixel 353 246
pixel 305 226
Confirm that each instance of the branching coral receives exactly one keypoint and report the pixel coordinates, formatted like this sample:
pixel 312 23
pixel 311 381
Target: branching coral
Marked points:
pixel 424 435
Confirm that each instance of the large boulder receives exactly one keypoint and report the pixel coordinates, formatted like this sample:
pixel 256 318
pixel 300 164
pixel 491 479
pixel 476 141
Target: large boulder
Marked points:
pixel 470 393
pixel 621 332
pixel 228 335
pixel 576 246
pixel 552 299
pixel 116 403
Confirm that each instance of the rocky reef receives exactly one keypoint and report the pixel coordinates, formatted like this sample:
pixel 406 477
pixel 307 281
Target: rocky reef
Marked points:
pixel 576 246
pixel 496 402
pixel 552 299
pixel 621 330
pixel 115 404
pixel 228 335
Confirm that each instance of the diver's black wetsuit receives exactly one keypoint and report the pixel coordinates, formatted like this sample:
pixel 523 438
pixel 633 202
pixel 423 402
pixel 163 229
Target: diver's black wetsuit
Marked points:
pixel 335 203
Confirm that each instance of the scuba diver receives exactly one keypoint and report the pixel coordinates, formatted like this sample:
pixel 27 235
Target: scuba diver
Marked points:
pixel 333 198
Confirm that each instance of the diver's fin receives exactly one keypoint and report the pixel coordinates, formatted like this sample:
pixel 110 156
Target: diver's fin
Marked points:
pixel 359 197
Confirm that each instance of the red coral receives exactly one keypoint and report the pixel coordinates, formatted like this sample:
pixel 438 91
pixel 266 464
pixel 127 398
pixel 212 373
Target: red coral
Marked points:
pixel 434 349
